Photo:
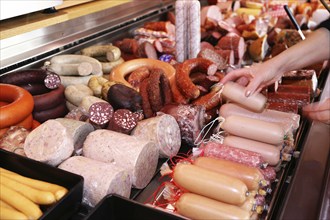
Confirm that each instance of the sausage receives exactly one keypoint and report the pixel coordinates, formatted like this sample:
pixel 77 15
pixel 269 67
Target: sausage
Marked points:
pixel 233 42
pixel 75 93
pixel 78 113
pixel 165 26
pixel 299 99
pixel 22 77
pixel 108 66
pixel 235 93
pixel 176 94
pixel 251 176
pixel 181 53
pixel 147 50
pixel 21 105
pixel 112 52
pixel 95 83
pixel 49 100
pixel 35 88
pixel 213 56
pixel 74 80
pixel 153 34
pixel 75 58
pixel 200 207
pixel 225 152
pixel 50 143
pixel 184 83
pixel 210 100
pixel 193 28
pixel 123 121
pixel 137 76
pixel 100 113
pixel 147 111
pixel 56 112
pixel 100 179
pixel 269 153
pixel 254 129
pixel 138 156
pixel 269 173
pixel 210 184
pixel 284 107
pixel 121 71
pixel 163 130
pixel 71 69
pixel 89 100
pixel 289 121
pixel 13 140
pixel 52 81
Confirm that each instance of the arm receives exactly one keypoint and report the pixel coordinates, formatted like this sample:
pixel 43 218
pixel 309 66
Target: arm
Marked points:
pixel 315 48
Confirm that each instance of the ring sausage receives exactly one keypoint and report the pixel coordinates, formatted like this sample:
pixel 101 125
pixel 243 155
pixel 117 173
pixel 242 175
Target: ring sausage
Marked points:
pixel 210 184
pixel 119 73
pixel 254 129
pixel 24 76
pixel 21 105
pixel 111 52
pixel 35 88
pixel 56 112
pixel 184 83
pixel 49 100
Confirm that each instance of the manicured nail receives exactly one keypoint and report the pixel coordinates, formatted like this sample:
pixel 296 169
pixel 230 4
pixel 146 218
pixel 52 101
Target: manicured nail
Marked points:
pixel 247 94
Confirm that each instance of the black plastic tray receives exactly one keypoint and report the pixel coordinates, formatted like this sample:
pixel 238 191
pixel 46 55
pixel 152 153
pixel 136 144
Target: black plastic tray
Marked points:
pixel 64 208
pixel 115 207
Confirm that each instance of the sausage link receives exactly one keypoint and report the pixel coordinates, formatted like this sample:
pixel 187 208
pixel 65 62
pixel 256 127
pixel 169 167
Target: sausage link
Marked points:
pixel 49 100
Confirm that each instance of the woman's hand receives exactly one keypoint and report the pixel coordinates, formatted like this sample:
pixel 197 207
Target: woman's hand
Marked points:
pixel 319 111
pixel 255 78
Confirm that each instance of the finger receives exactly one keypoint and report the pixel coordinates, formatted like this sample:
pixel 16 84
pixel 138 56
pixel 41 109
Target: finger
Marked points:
pixel 252 87
pixel 322 116
pixel 232 76
pixel 317 106
pixel 243 81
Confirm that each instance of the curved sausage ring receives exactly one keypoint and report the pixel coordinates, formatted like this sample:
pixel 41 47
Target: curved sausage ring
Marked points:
pixel 21 105
pixel 119 73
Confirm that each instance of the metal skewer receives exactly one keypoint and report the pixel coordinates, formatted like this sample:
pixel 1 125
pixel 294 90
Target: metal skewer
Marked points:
pixel 294 21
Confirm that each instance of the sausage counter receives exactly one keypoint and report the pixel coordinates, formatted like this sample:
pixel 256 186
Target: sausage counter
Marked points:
pixel 301 189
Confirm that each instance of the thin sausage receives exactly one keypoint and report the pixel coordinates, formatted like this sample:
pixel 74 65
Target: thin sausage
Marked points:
pixel 251 176
pixel 210 184
pixel 235 92
pixel 270 153
pixel 21 105
pixel 119 73
pixel 254 129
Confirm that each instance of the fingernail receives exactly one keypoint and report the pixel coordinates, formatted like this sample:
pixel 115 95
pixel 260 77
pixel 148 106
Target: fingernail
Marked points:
pixel 247 94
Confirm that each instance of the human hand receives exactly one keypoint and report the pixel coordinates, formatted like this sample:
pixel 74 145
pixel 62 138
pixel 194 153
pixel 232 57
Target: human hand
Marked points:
pixel 255 78
pixel 319 111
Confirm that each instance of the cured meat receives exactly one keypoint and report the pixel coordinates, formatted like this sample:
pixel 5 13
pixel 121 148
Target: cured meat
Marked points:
pixel 100 113
pixel 190 119
pixel 233 42
pixel 123 121
pixel 100 179
pixel 213 56
pixel 13 140
pixel 269 173
pixel 164 131
pixel 284 107
pixel 289 98
pixel 181 53
pixel 52 81
pixel 222 151
pixel 138 156
pixel 78 113
pixel 50 143
pixel 193 28
pixel 78 130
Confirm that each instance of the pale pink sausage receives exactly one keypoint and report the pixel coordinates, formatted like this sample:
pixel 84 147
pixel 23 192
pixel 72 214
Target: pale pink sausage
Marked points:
pixel 254 129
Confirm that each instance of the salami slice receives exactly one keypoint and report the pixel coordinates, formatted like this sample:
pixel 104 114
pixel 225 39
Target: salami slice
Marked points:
pixel 100 179
pixel 138 156
pixel 52 81
pixel 163 130
pixel 100 113
pixel 123 121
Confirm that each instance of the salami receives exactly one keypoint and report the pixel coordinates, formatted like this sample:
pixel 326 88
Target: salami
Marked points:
pixel 52 81
pixel 163 130
pixel 50 143
pixel 269 173
pixel 13 140
pixel 193 25
pixel 222 151
pixel 180 31
pixel 100 113
pixel 100 179
pixel 138 156
pixel 123 121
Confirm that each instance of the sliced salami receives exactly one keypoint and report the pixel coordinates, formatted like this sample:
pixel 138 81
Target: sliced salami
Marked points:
pixel 100 113
pixel 138 156
pixel 123 121
pixel 52 81
pixel 50 143
pixel 164 131
pixel 100 179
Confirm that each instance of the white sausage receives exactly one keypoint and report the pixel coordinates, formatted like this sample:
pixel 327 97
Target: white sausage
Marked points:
pixel 235 93
pixel 270 153
pixel 75 93
pixel 71 69
pixel 254 129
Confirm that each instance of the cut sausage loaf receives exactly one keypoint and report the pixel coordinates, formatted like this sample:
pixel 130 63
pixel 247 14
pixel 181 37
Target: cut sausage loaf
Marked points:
pixel 164 131
pixel 138 156
pixel 200 207
pixel 210 184
pixel 100 179
pixel 123 121
pixel 50 143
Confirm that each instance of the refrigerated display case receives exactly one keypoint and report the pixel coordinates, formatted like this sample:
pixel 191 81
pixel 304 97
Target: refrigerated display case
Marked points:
pixel 302 189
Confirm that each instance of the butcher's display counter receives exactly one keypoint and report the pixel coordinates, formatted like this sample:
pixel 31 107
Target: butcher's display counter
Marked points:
pixel 302 191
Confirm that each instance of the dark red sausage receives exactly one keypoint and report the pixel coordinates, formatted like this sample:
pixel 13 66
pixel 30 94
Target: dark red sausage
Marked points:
pixel 100 113
pixel 56 112
pixel 123 121
pixel 49 100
